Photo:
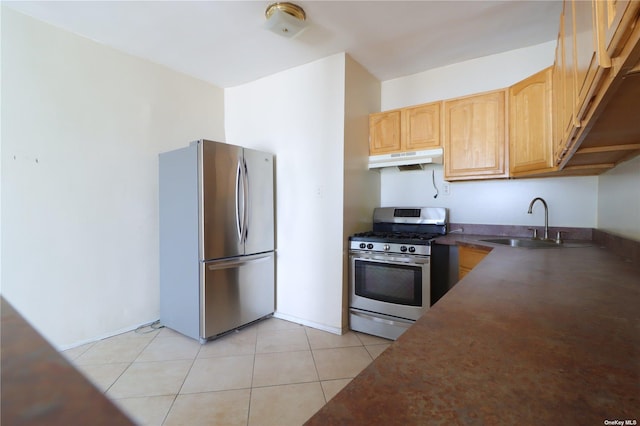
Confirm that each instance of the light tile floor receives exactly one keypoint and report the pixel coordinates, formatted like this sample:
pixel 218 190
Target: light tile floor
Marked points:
pixel 273 372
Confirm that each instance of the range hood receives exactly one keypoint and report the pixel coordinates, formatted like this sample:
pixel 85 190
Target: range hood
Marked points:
pixel 410 160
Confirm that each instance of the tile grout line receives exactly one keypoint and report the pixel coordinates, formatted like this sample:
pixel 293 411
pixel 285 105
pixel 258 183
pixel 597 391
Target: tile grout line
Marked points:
pixel 128 366
pixel 175 397
pixel 260 332
pixel 315 366
pixel 253 371
pixel 90 345
pixel 130 363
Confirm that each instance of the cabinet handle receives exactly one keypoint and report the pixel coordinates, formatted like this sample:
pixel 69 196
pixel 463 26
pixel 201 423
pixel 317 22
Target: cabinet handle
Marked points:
pixel 604 60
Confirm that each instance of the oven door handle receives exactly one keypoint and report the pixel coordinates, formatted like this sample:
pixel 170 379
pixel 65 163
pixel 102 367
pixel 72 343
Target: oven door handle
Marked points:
pixel 395 321
pixel 404 261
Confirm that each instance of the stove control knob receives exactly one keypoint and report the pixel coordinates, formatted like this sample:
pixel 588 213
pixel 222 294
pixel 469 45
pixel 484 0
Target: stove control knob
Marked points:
pixel 369 246
pixel 363 245
pixel 412 249
pixel 403 249
pixel 386 247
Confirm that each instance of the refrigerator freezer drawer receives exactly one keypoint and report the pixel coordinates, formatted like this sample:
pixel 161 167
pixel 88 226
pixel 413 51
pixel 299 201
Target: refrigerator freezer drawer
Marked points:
pixel 236 292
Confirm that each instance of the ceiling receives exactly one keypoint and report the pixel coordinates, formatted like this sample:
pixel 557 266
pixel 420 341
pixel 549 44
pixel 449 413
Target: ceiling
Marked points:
pixel 226 44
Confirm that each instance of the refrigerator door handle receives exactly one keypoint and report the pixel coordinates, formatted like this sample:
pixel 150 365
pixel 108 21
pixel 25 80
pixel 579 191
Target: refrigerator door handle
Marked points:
pixel 239 209
pixel 232 263
pixel 245 226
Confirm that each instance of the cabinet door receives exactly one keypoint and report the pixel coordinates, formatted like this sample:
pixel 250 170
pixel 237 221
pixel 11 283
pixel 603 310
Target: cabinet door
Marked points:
pixel 613 12
pixel 475 137
pixel 569 71
pixel 384 132
pixel 565 88
pixel 557 92
pixel 421 127
pixel 468 258
pixel 530 124
pixel 584 47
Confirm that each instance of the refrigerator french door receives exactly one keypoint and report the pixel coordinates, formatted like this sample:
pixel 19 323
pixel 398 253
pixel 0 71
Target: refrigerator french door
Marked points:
pixel 237 201
pixel 216 238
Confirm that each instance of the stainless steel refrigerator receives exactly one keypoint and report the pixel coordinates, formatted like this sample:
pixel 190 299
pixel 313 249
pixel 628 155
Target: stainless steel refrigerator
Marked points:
pixel 217 258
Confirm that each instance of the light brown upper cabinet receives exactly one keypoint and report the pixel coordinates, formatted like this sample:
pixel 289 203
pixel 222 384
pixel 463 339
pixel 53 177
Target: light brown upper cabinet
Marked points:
pixel 384 132
pixel 557 95
pixel 569 119
pixel 407 129
pixel 606 100
pixel 610 15
pixel 530 132
pixel 590 117
pixel 576 61
pixel 475 133
pixel 421 127
pixel 585 46
pixel 580 38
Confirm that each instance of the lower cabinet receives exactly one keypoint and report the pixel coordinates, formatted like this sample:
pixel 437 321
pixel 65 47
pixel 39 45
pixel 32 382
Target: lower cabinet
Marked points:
pixel 468 258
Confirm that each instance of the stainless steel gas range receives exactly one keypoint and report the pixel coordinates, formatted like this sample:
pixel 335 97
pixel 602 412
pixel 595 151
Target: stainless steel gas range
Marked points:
pixel 394 277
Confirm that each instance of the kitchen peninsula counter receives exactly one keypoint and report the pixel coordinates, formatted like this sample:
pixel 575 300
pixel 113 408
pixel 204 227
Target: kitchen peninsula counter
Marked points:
pixel 529 336
pixel 39 385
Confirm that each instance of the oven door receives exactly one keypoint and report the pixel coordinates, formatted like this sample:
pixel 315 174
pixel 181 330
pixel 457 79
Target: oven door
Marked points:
pixel 396 285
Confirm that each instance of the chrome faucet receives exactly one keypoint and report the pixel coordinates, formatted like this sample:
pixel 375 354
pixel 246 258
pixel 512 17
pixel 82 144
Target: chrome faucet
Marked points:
pixel 546 215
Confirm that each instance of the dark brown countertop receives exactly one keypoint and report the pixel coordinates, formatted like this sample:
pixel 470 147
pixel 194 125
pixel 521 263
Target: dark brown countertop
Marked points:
pixel 40 387
pixel 530 336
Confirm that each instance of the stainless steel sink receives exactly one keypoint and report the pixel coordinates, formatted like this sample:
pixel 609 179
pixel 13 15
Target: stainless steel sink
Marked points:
pixel 523 242
pixel 531 243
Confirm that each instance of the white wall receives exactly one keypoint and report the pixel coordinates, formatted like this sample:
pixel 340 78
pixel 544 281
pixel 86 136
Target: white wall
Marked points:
pixel 361 186
pixel 619 200
pixel 82 128
pixel 468 77
pixel 572 201
pixel 298 115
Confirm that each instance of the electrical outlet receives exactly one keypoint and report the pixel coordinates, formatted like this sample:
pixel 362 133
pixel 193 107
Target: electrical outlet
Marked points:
pixel 446 188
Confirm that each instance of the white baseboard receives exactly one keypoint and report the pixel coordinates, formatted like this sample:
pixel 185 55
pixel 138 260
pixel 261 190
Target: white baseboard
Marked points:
pixel 101 337
pixel 323 327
